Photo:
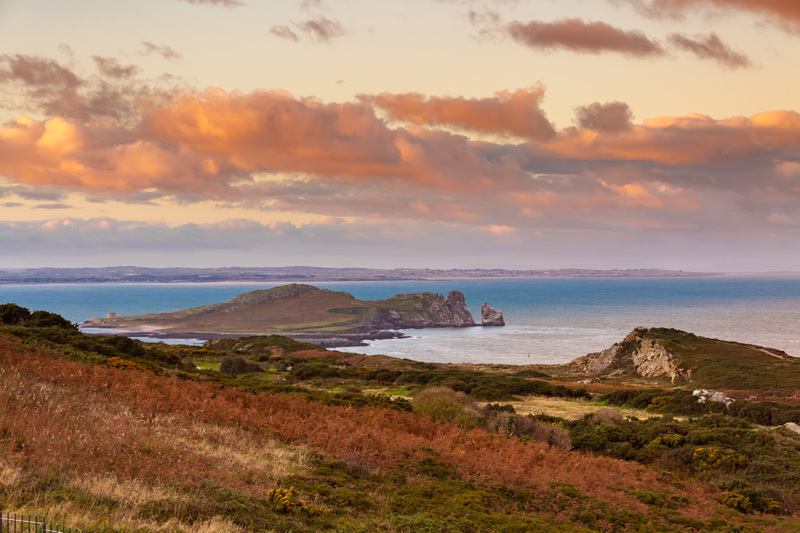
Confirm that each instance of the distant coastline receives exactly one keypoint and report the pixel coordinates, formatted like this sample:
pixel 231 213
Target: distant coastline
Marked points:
pixel 131 274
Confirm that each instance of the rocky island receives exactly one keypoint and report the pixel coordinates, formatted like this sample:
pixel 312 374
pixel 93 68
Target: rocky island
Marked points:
pixel 329 318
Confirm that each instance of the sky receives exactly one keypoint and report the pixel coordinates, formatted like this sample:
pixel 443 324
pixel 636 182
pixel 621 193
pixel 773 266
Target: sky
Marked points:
pixel 520 134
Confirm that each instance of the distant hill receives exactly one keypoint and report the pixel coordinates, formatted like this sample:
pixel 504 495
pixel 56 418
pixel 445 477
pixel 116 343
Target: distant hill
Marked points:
pixel 133 274
pixel 307 309
pixel 678 357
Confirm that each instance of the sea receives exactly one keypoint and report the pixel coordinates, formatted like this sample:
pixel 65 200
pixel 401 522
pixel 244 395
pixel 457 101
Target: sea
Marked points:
pixel 548 320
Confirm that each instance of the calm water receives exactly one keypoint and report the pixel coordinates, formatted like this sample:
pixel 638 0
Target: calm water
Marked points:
pixel 548 320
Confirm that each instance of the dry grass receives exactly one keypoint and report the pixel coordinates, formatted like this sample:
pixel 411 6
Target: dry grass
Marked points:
pixel 125 518
pixel 570 409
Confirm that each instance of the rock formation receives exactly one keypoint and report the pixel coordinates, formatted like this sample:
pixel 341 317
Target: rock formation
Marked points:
pixel 638 352
pixel 417 310
pixel 491 316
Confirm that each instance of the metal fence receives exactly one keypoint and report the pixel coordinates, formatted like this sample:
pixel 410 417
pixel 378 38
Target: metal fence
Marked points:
pixel 13 523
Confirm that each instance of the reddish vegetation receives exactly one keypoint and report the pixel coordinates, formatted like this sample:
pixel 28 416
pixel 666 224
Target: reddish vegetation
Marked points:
pixel 93 419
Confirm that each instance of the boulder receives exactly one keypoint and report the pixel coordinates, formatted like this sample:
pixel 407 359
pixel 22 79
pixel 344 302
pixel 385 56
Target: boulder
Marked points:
pixel 491 316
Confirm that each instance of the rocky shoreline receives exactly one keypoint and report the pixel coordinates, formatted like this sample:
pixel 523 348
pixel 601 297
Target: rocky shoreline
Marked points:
pixel 324 340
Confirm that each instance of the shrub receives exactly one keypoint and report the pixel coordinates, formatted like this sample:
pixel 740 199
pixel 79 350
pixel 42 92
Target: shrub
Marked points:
pixel 46 319
pixel 441 403
pixel 714 458
pixel 285 501
pixel 237 365
pixel 116 362
pixel 125 345
pixel 12 314
pixel 306 371
pixel 738 502
pixel 605 416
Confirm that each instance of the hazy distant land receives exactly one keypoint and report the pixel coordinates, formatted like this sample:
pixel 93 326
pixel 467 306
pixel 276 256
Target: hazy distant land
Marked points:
pixel 131 274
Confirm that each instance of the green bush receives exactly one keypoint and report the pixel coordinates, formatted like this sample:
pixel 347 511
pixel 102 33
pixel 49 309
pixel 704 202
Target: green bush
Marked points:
pixel 306 371
pixel 441 403
pixel 12 314
pixel 237 365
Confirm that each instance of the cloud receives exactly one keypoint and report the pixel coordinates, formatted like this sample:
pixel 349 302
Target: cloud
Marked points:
pixel 110 67
pixel 611 117
pixel 711 47
pixel 370 243
pixel 515 113
pixel 585 37
pixel 37 72
pixel 53 206
pixel 690 140
pixel 269 151
pixel 42 85
pixel 284 32
pixel 320 30
pixel 489 24
pixel 784 13
pixel 167 52
pixel 323 29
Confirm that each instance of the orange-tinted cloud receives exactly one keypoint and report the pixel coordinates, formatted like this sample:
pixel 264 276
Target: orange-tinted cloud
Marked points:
pixel 611 117
pixel 577 35
pixel 268 150
pixel 711 47
pixel 516 113
pixel 688 140
pixel 208 144
pixel 785 13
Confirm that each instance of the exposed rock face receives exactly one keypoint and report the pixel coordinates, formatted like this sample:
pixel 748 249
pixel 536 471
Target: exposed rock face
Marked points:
pixel 491 316
pixel 420 310
pixel 646 356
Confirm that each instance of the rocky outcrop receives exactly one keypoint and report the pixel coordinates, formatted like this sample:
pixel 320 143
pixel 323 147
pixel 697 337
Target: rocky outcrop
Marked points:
pixel 417 310
pixel 639 353
pixel 491 316
pixel 704 396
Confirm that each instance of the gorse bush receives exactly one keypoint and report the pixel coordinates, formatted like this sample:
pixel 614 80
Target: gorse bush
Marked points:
pixel 441 403
pixel 287 501
pixel 764 466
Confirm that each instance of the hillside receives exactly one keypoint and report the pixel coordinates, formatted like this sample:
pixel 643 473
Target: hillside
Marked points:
pixel 144 442
pixel 307 274
pixel 663 355
pixel 297 308
pixel 270 434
